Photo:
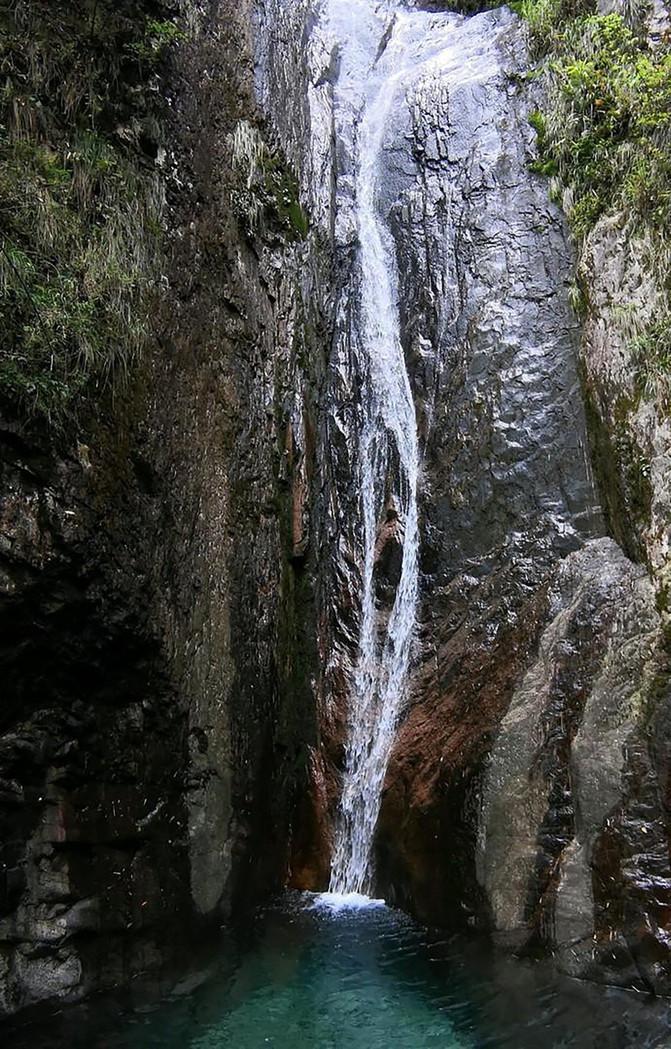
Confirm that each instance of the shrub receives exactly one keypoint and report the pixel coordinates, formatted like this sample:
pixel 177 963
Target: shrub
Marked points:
pixel 606 132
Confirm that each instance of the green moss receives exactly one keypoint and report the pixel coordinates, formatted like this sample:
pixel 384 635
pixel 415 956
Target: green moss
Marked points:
pixel 157 37
pixel 80 201
pixel 282 188
pixel 468 7
pixel 266 194
pixel 652 352
pixel 546 164
pixel 578 299
pixel 547 19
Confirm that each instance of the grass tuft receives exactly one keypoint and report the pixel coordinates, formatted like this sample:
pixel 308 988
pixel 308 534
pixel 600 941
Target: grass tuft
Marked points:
pixel 80 197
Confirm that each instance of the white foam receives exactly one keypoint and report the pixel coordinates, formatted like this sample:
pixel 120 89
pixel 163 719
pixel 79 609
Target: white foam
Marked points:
pixel 344 901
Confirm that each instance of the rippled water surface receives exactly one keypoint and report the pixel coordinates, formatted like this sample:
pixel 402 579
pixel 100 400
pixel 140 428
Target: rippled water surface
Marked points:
pixel 312 976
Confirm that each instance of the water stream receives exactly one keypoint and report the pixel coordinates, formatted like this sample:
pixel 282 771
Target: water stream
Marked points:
pixel 374 67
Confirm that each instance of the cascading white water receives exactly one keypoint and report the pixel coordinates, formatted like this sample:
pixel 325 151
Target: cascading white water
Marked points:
pixel 388 453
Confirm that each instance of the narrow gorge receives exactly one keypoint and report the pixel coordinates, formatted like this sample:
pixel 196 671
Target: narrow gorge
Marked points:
pixel 334 523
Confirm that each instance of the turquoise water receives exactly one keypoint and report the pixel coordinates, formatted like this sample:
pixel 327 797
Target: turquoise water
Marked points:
pixel 307 977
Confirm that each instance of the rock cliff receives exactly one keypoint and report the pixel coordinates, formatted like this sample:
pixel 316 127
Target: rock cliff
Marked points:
pixel 180 574
pixel 155 604
pixel 539 644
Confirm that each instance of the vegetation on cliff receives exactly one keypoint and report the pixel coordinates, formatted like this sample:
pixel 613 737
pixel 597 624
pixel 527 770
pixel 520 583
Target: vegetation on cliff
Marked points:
pixel 266 192
pixel 80 193
pixel 604 138
pixel 607 132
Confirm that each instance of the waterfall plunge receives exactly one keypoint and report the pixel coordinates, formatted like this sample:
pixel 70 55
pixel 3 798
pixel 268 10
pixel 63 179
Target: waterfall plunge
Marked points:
pixel 388 443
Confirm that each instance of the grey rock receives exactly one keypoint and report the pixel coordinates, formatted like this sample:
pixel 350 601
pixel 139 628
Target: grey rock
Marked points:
pixel 556 773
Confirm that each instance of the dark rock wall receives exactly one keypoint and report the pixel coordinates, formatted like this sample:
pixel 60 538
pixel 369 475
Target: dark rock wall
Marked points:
pixel 156 608
pixel 296 66
pixel 93 742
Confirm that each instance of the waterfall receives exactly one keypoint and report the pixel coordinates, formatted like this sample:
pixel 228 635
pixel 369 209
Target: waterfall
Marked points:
pixel 374 66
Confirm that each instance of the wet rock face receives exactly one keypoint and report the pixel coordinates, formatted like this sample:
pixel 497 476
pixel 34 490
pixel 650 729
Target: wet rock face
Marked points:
pixel 490 345
pixel 155 589
pixel 521 609
pixel 491 339
pixel 506 490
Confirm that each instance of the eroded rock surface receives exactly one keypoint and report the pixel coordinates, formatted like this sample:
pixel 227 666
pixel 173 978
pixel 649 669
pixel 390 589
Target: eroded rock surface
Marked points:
pixel 580 729
pixel 628 417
